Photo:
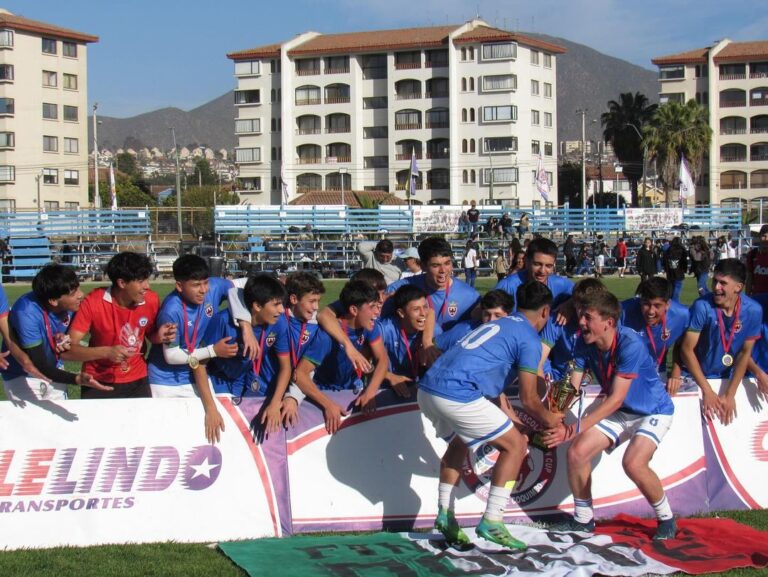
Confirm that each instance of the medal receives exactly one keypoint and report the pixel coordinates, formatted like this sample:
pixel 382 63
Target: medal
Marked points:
pixel 255 386
pixel 257 363
pixel 193 362
pixel 191 343
pixel 124 366
pixel 727 360
pixel 358 385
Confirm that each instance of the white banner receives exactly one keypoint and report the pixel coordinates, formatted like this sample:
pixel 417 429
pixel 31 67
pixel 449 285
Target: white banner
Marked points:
pixel 436 218
pixel 652 218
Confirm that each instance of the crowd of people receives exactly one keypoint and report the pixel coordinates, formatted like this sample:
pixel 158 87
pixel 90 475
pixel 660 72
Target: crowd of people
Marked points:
pixel 422 332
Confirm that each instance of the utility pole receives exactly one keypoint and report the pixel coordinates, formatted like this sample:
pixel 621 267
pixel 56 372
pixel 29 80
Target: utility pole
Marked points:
pixel 583 113
pixel 96 197
pixel 178 183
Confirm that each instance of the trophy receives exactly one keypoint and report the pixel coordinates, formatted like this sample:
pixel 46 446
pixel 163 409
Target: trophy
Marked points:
pixel 561 395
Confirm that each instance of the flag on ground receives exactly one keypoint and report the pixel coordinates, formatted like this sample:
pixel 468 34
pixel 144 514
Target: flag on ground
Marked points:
pixel 687 188
pixel 542 181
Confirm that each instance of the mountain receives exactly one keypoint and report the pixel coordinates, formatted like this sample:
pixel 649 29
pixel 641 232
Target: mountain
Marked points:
pixel 586 78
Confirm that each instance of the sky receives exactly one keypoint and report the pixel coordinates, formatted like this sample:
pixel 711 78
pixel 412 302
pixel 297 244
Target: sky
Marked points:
pixel 153 54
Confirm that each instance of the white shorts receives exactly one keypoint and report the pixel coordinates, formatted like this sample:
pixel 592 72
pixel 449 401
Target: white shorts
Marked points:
pixel 600 260
pixel 623 425
pixel 475 422
pixel 32 388
pixel 173 391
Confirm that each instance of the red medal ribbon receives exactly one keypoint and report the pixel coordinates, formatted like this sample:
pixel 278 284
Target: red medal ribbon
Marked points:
pixel 414 368
pixel 649 332
pixel 257 362
pixel 721 326
pixel 358 370
pixel 606 373
pixel 49 333
pixel 190 344
pixel 445 302
pixel 294 352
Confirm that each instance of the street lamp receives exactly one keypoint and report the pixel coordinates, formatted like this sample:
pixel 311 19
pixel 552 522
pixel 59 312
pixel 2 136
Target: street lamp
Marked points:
pixel 490 180
pixel 38 178
pixel 178 183
pixel 645 153
pixel 342 172
pixel 583 112
pixel 96 197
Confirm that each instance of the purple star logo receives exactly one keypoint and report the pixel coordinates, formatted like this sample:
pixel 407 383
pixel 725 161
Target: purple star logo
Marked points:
pixel 202 467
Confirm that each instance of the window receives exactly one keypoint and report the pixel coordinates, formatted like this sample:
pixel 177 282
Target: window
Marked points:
pixel 471 145
pixel 499 113
pixel 307 95
pixel 69 49
pixel 500 144
pixel 254 183
pixel 51 176
pixel 337 65
pixel 535 117
pixel 274 153
pixel 463 84
pixel 547 149
pixel 437 118
pixel 548 119
pixel 6 38
pixel 407 120
pixel 71 177
pixel 307 66
pixel 245 155
pixel 7 205
pixel 547 90
pixel 247 68
pixel 463 114
pixel 535 147
pixel 464 146
pixel 547 61
pixel 375 132
pixel 465 177
pixel 50 79
pixel 70 113
pixel 6 106
pixel 50 111
pixel 71 145
pixel 51 205
pixel 499 51
pixel 463 54
pixel 70 81
pixel 6 72
pixel 7 173
pixel 471 83
pixel 247 97
pixel 69 205
pixel 535 87
pixel 272 66
pixel 50 143
pixel 500 82
pixel 471 114
pixel 7 139
pixel 49 46
pixel 472 176
pixel 500 175
pixel 372 102
pixel 671 72
pixel 535 57
pixel 248 125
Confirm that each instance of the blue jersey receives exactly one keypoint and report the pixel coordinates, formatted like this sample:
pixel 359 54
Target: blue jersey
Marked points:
pixel 663 335
pixel 460 330
pixel 485 361
pixel 334 370
pixel 647 395
pixel 237 375
pixel 561 287
pixel 709 349
pixel 760 350
pixel 300 334
pixel 189 334
pixel 402 358
pixel 561 340
pixel 28 320
pixel 451 305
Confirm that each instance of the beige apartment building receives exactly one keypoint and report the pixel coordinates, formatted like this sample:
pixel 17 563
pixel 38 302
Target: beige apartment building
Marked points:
pixel 474 104
pixel 43 115
pixel 731 79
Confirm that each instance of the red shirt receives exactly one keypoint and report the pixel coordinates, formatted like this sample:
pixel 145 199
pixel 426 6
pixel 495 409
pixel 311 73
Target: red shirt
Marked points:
pixel 110 324
pixel 621 250
pixel 757 264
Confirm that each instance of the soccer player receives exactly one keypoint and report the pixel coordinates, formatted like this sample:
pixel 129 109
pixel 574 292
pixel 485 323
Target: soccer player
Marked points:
pixel 119 318
pixel 758 364
pixel 757 265
pixel 494 304
pixel 660 322
pixel 636 407
pixel 540 257
pixel 269 374
pixel 462 395
pixel 40 319
pixel 718 343
pixel 333 369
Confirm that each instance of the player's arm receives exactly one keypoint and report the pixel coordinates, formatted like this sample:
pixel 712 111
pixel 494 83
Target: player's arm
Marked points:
pixel 17 352
pixel 545 349
pixel 164 333
pixel 712 403
pixel 367 400
pixel 760 376
pixel 329 322
pixel 53 373
pixel 532 404
pixel 78 352
pixel 331 411
pixel 214 423
pixel 674 379
pixel 728 398
pixel 175 355
pixel 272 413
pixel 242 318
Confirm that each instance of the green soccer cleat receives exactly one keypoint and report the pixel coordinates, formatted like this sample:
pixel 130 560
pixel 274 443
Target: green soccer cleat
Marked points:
pixel 497 532
pixel 666 530
pixel 571 525
pixel 447 525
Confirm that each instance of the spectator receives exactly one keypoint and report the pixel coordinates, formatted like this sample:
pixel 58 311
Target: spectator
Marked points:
pixel 506 226
pixel 621 257
pixel 585 264
pixel 470 260
pixel 379 256
pixel 473 218
pixel 500 265
pixel 464 223
pixel 700 262
pixel 522 225
pixel 598 255
pixel 721 249
pixel 569 252
pixel 492 226
pixel 412 263
pixel 675 266
pixel 517 264
pixel 757 265
pixel 646 260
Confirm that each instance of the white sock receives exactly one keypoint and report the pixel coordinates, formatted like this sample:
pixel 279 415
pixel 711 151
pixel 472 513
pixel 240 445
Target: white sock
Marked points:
pixel 582 510
pixel 446 496
pixel 663 509
pixel 497 503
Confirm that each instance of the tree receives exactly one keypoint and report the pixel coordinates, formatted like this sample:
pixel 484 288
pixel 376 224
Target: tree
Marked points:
pixel 202 196
pixel 127 164
pixel 631 110
pixel 203 173
pixel 569 183
pixel 678 129
pixel 128 194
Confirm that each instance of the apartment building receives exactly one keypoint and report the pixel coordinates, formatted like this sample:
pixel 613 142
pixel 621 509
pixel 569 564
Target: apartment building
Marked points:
pixel 731 79
pixel 43 115
pixel 475 105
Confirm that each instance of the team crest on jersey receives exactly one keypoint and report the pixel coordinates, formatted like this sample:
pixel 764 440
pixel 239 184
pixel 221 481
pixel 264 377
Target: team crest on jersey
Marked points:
pixel 665 335
pixel 361 339
pixel 271 338
pixel 66 320
pixel 305 337
pixel 209 310
pixel 453 308
pixel 737 327
pixel 143 321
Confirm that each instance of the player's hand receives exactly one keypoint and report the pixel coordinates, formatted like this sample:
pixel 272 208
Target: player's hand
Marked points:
pixel 289 412
pixel 552 420
pixel 673 385
pixel 400 385
pixel 762 385
pixel 214 426
pixel 250 345
pixel 270 418
pixel 28 367
pixel 712 405
pixel 728 404
pixel 86 380
pixel 332 414
pixel 506 406
pixel 166 333
pixel 428 355
pixel 224 349
pixel 4 360
pixel 367 402
pixel 118 353
pixel 63 343
pixel 358 360
pixel 564 312
pixel 559 435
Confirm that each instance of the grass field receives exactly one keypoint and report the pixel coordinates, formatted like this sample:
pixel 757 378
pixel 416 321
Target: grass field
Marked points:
pixel 190 560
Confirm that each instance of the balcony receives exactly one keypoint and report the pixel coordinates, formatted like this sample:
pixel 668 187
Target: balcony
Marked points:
pixel 337 129
pixel 732 103
pixel 437 94
pixel 733 158
pixel 437 155
pixel 407 156
pixel 374 72
pixel 407 65
pixel 437 124
pixel 733 76
pixel 407 95
pixel 338 70
pixel 758 157
pixel 758 74
pixel 759 102
pixel 436 64
pixel 404 186
pixel 304 131
pixel 336 99
pixel 309 160
pixel 306 101
pixel 728 131
pixel 336 159
pixel 308 72
pixel 759 130
pixel 408 126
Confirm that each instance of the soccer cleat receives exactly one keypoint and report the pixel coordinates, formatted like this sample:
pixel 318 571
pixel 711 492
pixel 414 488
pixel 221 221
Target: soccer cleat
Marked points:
pixel 571 525
pixel 666 530
pixel 497 532
pixel 447 525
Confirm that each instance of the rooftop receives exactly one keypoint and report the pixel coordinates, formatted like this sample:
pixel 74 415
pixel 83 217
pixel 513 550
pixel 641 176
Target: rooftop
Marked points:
pixel 13 22
pixel 731 52
pixel 351 198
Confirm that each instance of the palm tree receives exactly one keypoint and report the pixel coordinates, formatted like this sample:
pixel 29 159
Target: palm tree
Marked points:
pixel 678 129
pixel 622 126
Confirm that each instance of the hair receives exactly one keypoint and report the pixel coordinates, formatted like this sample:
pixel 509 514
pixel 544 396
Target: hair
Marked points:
pixel 542 245
pixel 434 246
pixel 261 289
pixel 54 281
pixel 764 229
pixel 585 288
pixel 371 277
pixel 128 266
pixel 654 288
pixel 406 294
pixel 384 246
pixel 532 295
pixel 357 293
pixel 190 267
pixel 498 298
pixel 733 268
pixel 605 303
pixel 303 283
